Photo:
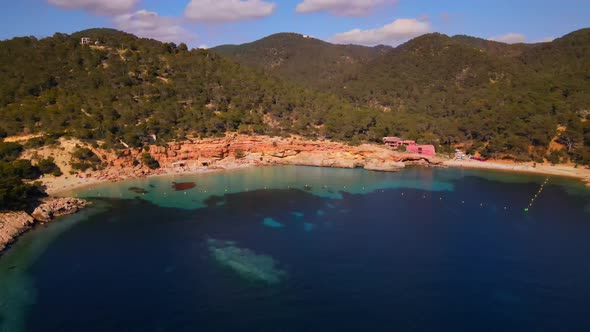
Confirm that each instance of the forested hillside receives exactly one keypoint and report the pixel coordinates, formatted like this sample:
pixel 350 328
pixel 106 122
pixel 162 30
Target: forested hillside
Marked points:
pixel 303 59
pixel 126 88
pixel 505 101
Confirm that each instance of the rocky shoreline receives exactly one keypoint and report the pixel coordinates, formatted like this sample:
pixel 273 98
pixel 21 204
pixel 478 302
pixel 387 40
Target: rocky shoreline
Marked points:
pixel 264 150
pixel 236 151
pixel 15 223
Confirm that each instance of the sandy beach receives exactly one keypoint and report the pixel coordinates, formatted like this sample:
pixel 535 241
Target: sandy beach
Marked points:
pixel 579 172
pixel 57 186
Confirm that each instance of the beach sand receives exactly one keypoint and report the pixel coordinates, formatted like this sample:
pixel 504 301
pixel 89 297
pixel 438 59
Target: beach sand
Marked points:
pixel 579 172
pixel 56 186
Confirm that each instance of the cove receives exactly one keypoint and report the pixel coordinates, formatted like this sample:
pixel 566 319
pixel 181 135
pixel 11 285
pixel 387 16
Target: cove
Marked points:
pixel 422 249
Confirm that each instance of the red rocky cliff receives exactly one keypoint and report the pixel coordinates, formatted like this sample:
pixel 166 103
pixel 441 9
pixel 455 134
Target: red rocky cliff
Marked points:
pixel 263 150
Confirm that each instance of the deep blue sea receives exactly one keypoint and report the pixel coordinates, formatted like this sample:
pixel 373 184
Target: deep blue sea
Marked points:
pixel 309 249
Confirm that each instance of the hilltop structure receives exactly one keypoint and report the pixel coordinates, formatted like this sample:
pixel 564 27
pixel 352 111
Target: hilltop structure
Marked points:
pixel 88 41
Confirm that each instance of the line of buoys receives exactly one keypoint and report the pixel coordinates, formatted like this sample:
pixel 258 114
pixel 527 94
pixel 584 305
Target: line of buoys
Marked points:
pixel 526 209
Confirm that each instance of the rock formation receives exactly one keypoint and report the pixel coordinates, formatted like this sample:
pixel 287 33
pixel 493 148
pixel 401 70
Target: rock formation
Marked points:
pixel 13 224
pixel 264 150
pixel 57 207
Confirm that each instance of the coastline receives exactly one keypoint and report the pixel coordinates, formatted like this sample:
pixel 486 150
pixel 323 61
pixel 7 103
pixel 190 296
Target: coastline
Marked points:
pixel 59 186
pixel 235 151
pixel 15 223
pixel 56 187
pixel 580 173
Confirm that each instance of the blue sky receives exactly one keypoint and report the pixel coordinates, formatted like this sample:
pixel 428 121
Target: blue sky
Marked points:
pixel 369 22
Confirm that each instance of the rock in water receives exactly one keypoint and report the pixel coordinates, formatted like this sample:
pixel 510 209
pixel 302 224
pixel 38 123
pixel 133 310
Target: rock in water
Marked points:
pixel 13 224
pixel 245 262
pixel 183 186
pixel 58 207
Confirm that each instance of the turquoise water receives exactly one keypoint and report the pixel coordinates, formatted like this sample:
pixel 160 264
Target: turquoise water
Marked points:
pixel 309 249
pixel 320 181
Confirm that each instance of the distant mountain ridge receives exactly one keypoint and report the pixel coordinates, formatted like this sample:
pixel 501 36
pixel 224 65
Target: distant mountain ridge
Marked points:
pixel 302 58
pixel 310 60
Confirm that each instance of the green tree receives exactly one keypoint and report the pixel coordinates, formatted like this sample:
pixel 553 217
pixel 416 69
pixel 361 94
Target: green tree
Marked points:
pixel 10 151
pixel 149 161
pixel 48 166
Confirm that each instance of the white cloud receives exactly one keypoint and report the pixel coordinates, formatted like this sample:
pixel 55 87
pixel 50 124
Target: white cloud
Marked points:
pixel 203 46
pixel 150 25
pixel 340 7
pixel 510 38
pixel 101 7
pixel 228 10
pixel 392 33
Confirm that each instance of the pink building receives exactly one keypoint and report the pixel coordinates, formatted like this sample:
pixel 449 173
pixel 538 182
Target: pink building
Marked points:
pixel 411 146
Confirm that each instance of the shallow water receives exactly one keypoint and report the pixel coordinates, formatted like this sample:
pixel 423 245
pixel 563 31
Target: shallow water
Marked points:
pixel 309 249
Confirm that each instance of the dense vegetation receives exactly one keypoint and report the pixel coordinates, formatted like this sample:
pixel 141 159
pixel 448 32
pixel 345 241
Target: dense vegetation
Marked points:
pixel 303 59
pixel 501 100
pixel 14 192
pixel 127 89
pixel 505 101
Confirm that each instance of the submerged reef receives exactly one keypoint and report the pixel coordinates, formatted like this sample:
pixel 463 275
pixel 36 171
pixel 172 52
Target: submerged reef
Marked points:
pixel 245 262
pixel 138 190
pixel 270 222
pixel 298 214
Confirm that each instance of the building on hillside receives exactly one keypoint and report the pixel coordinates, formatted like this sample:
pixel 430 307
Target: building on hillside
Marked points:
pixel 85 41
pixel 411 146
pixel 396 142
pixel 427 150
